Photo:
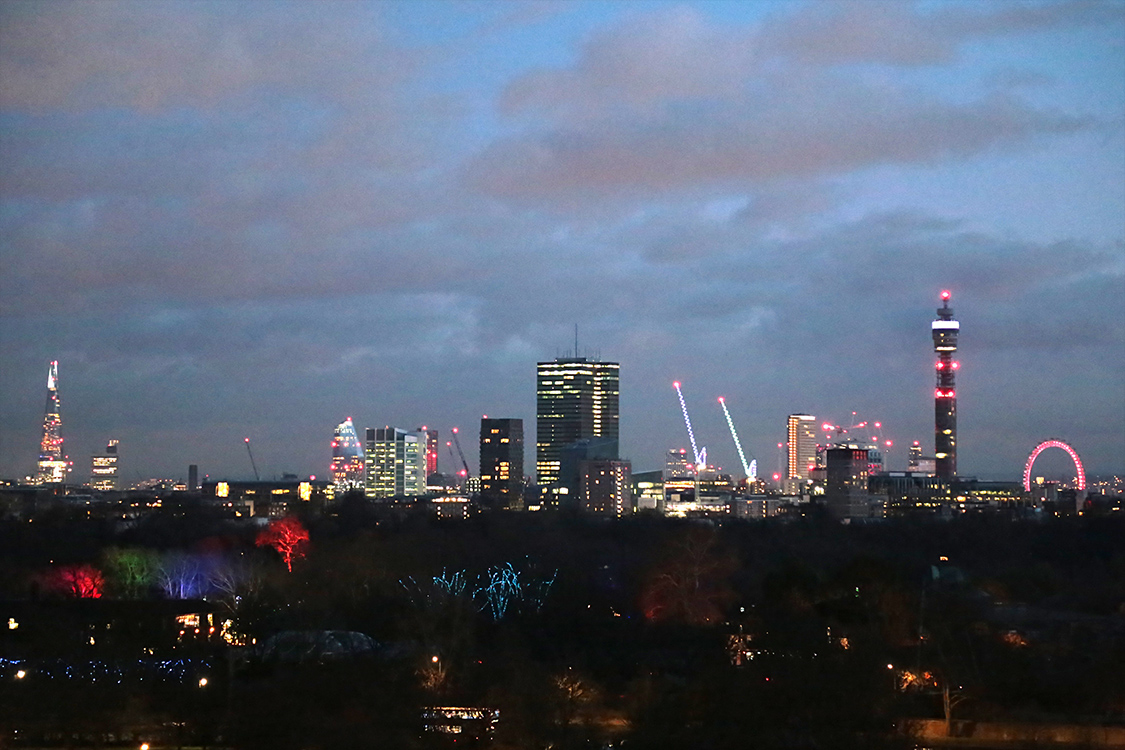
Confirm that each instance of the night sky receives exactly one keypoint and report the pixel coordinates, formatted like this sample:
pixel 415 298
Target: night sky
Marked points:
pixel 256 219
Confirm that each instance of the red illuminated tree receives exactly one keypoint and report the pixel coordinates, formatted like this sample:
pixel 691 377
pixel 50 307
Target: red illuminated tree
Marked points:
pixel 690 584
pixel 81 581
pixel 286 535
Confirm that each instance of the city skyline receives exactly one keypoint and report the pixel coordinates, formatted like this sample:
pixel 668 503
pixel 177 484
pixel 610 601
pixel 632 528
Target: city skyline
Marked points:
pixel 238 235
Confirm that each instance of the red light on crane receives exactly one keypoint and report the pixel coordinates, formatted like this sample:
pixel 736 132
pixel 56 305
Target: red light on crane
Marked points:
pixel 945 294
pixel 675 384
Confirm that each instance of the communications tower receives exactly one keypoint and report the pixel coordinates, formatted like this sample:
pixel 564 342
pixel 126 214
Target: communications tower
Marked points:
pixel 945 330
pixel 52 463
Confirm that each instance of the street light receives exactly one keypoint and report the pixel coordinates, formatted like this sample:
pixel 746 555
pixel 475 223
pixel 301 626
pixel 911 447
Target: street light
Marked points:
pixel 202 682
pixel 21 674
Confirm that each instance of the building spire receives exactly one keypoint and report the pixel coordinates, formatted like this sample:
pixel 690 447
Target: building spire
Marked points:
pixel 52 463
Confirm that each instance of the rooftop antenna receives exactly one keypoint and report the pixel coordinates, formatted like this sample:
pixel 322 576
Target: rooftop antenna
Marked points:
pixel 576 341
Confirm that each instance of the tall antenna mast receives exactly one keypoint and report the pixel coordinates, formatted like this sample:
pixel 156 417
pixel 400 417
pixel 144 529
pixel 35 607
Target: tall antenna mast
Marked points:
pixel 576 341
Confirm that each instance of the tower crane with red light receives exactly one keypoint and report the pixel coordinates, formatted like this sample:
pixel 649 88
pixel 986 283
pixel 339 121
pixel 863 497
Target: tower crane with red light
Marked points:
pixel 461 454
pixel 252 464
pixel 866 426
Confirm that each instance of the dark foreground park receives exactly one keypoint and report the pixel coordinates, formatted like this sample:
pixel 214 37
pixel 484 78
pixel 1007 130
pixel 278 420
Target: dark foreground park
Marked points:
pixel 183 628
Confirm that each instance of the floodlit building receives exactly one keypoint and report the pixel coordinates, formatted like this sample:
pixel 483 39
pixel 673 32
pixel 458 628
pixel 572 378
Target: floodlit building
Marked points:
pixel 347 468
pixel 576 399
pixel 103 469
pixel 501 462
pixel 801 433
pixel 52 462
pixel 395 463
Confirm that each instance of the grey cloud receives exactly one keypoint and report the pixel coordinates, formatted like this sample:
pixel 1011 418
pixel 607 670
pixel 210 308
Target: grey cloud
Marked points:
pixel 829 130
pixel 902 34
pixel 157 56
pixel 672 54
pixel 669 101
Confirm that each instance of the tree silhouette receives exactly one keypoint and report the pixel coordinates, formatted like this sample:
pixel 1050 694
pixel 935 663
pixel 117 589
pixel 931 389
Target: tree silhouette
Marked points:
pixel 131 570
pixel 81 581
pixel 286 535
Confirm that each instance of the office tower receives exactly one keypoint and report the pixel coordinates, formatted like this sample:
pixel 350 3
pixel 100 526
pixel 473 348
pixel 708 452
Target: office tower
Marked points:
pixel 103 469
pixel 801 431
pixel 570 463
pixel 193 477
pixel 678 465
pixel 606 487
pixel 52 463
pixel 915 460
pixel 576 399
pixel 846 473
pixel 347 458
pixel 431 448
pixel 944 331
pixel 501 462
pixel 395 463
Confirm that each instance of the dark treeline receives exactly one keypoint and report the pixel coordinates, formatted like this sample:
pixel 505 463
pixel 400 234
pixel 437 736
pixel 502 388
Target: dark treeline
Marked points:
pixel 656 632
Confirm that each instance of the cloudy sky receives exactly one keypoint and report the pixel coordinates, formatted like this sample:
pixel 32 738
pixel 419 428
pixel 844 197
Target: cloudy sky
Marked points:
pixel 257 218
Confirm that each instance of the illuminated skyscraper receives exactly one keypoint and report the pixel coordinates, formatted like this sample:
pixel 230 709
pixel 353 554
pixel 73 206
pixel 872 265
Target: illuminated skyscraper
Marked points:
pixel 347 458
pixel 395 463
pixel 52 462
pixel 576 398
pixel 103 469
pixel 801 431
pixel 501 462
pixel 945 330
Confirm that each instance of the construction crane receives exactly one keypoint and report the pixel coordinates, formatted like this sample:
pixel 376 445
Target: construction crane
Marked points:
pixel 700 455
pixel 449 445
pixel 751 468
pixel 461 453
pixel 253 465
pixel 841 430
pixel 876 427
